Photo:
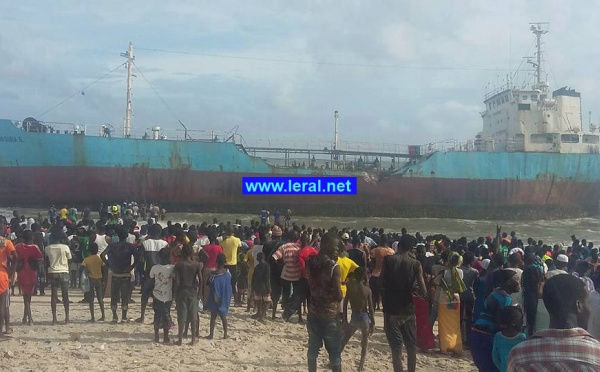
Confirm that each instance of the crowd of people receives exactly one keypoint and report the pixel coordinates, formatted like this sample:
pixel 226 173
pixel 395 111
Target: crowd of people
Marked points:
pixel 516 305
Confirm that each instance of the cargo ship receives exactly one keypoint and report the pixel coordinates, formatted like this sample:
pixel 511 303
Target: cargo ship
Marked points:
pixel 532 160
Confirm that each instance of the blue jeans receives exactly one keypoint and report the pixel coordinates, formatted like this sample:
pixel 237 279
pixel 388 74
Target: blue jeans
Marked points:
pixel 328 331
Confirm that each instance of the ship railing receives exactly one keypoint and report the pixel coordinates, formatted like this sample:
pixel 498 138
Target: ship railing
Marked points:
pixel 318 145
pixel 108 129
pixel 328 164
pixel 497 90
pixel 450 145
pixel 50 127
pixel 140 132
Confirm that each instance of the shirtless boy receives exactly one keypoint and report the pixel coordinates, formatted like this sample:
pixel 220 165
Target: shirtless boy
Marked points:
pixel 188 283
pixel 359 296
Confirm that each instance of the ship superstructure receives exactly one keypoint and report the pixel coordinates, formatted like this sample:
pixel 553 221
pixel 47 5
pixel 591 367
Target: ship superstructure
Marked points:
pixel 535 119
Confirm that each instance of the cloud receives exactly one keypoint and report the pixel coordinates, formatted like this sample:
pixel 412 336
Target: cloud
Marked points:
pixel 397 40
pixel 448 120
pixel 50 51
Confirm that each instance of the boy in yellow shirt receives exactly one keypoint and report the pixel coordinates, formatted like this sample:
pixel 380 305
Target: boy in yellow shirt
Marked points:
pixel 93 264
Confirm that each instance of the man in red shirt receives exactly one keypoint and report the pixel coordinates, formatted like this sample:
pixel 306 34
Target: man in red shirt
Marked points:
pixel 302 289
pixel 291 273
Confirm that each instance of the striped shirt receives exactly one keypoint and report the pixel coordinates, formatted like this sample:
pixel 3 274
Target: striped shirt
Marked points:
pixel 554 350
pixel 292 270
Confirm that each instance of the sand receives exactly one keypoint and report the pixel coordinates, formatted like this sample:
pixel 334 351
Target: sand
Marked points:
pixel 252 346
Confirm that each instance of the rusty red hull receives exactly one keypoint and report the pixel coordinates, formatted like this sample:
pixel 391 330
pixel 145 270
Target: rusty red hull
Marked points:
pixel 400 196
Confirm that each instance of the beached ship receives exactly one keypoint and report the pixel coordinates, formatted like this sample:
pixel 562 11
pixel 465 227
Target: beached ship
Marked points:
pixel 532 160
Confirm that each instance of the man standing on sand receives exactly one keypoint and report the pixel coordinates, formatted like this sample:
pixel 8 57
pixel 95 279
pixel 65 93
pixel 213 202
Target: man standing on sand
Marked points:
pixel 212 250
pixel 377 255
pixel 188 284
pixel 58 255
pixel 323 322
pixel 269 248
pixel 363 314
pixel 102 240
pixel 231 244
pixel 566 346
pixel 290 275
pixel 123 259
pixel 302 289
pixel 151 247
pixel 162 277
pixel 261 287
pixel 8 265
pixel 398 275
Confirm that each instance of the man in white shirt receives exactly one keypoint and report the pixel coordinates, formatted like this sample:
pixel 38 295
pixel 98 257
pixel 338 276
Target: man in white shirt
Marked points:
pixel 151 248
pixel 59 256
pixel 161 275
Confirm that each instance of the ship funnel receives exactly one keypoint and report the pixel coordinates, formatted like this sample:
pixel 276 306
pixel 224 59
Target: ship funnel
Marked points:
pixel 155 133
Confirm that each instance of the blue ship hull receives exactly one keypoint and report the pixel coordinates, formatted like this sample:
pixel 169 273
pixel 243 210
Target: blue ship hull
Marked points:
pixel 43 168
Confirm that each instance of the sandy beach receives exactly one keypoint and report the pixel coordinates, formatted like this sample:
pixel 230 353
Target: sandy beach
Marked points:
pixel 252 346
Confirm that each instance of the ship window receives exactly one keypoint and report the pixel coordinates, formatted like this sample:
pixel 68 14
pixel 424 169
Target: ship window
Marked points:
pixel 541 138
pixel 524 98
pixel 569 138
pixel 591 138
pixel 524 106
pixel 534 97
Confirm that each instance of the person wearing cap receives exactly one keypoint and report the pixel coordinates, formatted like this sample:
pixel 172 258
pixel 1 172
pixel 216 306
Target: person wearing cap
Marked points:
pixel 566 345
pixel 346 241
pixel 481 337
pixel 562 260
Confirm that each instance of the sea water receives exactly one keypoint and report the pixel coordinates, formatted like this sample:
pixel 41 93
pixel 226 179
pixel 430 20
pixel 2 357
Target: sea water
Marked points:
pixel 550 231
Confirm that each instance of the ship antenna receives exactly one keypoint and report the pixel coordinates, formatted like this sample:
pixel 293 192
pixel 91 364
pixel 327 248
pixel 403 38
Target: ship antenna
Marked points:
pixel 335 136
pixel 538 31
pixel 130 59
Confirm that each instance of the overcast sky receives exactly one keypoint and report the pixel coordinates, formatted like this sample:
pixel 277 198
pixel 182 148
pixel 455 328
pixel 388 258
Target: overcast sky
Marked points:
pixel 406 72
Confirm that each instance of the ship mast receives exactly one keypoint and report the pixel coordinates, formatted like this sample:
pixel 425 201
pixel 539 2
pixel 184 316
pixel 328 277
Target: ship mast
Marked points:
pixel 538 31
pixel 335 136
pixel 130 58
